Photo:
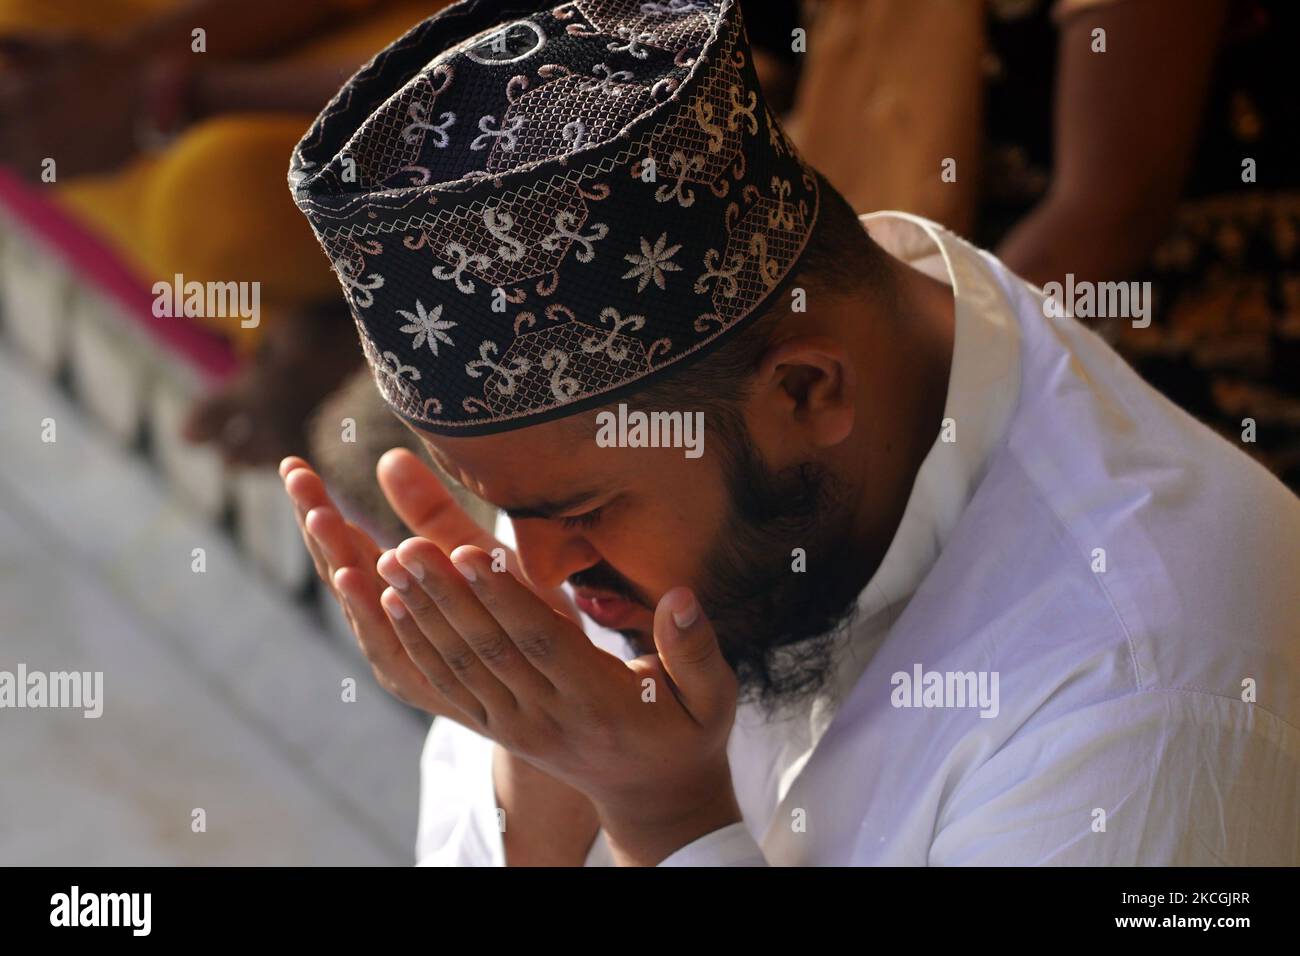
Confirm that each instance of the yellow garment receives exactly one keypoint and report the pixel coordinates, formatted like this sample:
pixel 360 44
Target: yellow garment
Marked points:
pixel 214 205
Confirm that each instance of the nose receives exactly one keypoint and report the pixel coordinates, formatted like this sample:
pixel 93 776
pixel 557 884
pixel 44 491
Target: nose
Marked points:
pixel 549 553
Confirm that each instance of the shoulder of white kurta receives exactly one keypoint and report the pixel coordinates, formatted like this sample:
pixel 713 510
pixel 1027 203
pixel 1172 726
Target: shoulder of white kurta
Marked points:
pixel 1158 777
pixel 1193 545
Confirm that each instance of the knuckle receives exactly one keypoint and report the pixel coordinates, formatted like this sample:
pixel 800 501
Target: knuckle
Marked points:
pixel 536 645
pixel 697 654
pixel 459 660
pixel 436 591
pixel 514 735
pixel 597 727
pixel 440 682
pixel 408 638
pixel 416 599
pixel 492 648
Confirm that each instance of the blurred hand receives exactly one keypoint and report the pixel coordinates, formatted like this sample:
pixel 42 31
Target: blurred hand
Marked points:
pixel 345 558
pixel 550 823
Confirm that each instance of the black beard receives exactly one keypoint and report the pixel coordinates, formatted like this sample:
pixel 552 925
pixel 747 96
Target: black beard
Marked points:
pixel 778 628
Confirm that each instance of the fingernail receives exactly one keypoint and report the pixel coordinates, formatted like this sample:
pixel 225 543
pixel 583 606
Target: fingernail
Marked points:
pixel 466 569
pixel 686 610
pixel 412 565
pixel 395 577
pixel 394 606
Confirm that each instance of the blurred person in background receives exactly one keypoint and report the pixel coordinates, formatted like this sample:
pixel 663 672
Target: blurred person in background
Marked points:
pixel 137 120
pixel 176 158
pixel 1117 164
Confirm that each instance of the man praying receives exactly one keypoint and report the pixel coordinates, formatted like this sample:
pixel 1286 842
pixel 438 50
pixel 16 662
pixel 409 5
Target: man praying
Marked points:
pixel 947 583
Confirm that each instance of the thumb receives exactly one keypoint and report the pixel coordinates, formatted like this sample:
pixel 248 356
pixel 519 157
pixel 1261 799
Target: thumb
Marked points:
pixel 429 509
pixel 425 504
pixel 689 650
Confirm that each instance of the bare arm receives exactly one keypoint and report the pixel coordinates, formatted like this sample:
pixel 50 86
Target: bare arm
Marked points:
pixel 1125 125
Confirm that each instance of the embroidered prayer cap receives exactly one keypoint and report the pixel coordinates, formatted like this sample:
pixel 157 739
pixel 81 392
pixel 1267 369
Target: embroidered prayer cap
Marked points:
pixel 534 208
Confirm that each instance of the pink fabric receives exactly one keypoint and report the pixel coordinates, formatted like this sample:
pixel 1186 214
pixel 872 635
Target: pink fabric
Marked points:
pixel 98 264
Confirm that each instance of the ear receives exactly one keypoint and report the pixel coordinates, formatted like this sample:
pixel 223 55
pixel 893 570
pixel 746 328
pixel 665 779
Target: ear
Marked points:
pixel 805 395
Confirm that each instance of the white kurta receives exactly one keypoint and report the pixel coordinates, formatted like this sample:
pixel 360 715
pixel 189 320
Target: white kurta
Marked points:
pixel 1128 578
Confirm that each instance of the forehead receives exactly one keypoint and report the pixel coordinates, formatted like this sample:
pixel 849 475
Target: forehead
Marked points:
pixel 559 456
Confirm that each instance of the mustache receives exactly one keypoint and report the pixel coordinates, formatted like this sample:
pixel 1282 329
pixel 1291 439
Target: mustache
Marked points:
pixel 602 577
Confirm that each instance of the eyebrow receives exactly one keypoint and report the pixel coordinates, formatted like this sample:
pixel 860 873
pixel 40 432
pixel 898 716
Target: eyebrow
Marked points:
pixel 550 509
pixel 545 509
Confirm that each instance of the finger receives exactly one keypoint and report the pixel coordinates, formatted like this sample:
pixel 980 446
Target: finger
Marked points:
pixel 429 509
pixel 308 493
pixel 426 658
pixel 306 489
pixel 551 643
pixel 382 649
pixel 689 650
pixel 313 549
pixel 335 538
pixel 471 642
pixel 300 515
pixel 425 504
pixel 289 464
pixel 367 551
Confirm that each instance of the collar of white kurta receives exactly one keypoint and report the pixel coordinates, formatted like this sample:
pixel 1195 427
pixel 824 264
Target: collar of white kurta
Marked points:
pixel 983 389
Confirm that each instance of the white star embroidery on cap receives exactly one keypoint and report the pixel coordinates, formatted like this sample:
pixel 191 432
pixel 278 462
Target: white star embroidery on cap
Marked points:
pixel 652 263
pixel 427 327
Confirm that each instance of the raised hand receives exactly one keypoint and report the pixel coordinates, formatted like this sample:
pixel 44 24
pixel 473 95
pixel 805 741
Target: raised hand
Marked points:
pixel 644 740
pixel 345 557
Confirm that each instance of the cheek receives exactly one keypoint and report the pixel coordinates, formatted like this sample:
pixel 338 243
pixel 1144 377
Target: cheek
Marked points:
pixel 663 545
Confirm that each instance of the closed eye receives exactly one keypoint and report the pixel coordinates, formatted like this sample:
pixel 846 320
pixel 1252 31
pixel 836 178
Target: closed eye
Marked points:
pixel 587 519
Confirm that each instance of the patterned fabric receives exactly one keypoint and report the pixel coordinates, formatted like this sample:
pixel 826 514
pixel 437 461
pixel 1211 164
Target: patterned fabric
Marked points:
pixel 534 207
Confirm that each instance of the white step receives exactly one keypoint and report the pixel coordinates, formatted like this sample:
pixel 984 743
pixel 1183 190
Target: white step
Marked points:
pixel 195 472
pixel 112 362
pixel 266 528
pixel 35 294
